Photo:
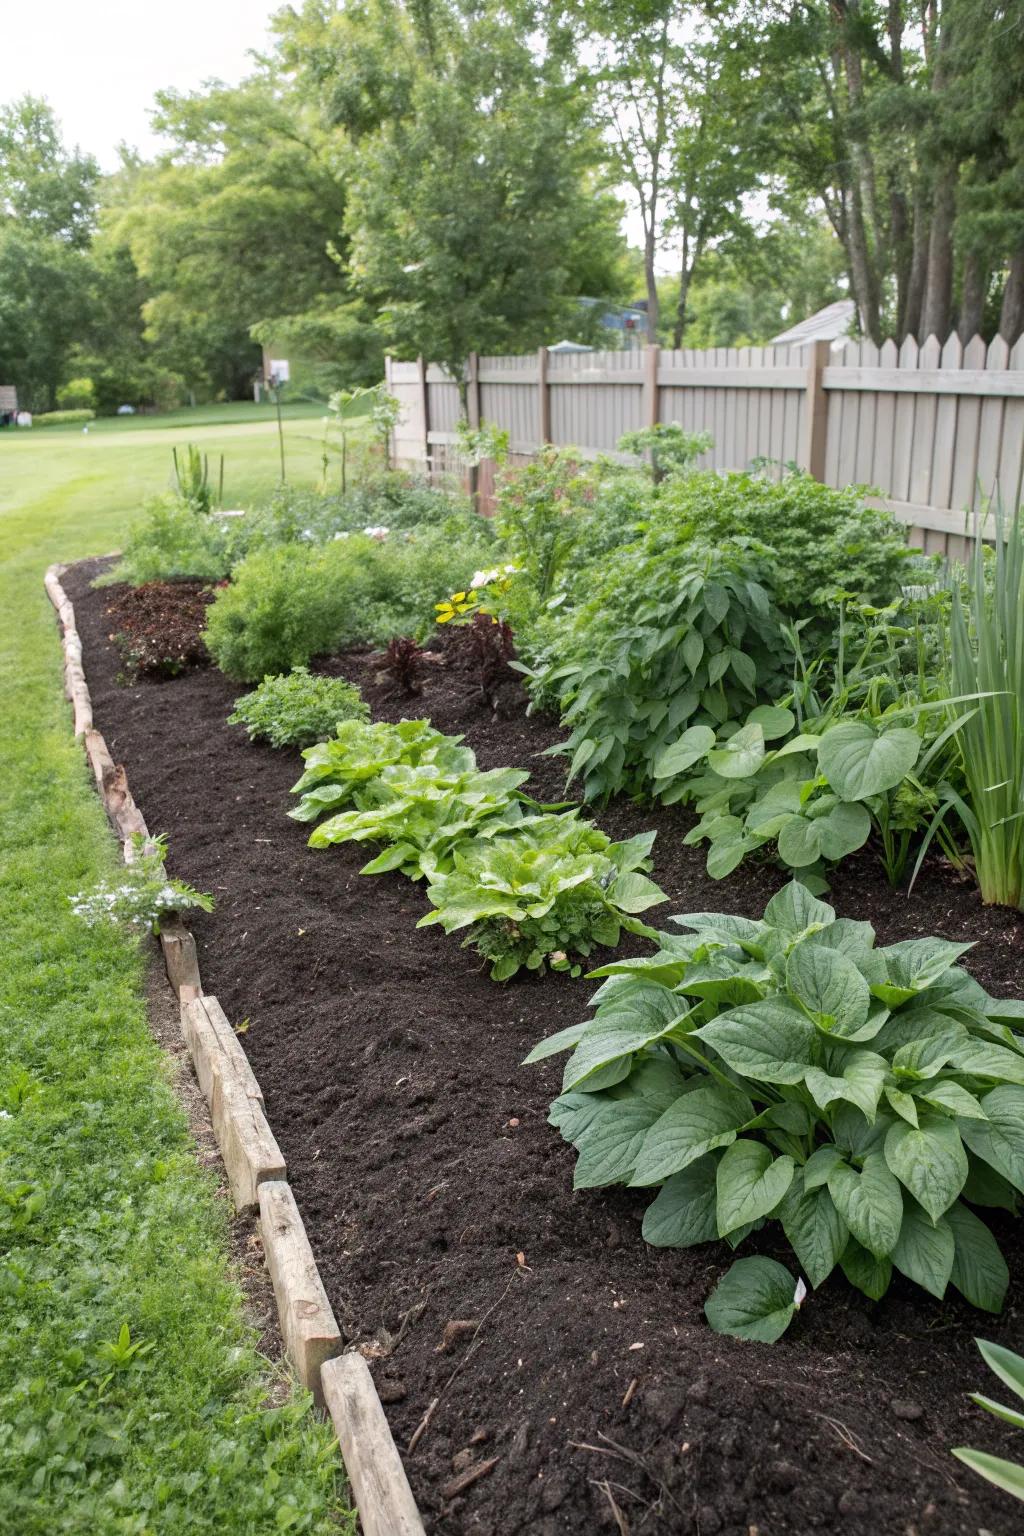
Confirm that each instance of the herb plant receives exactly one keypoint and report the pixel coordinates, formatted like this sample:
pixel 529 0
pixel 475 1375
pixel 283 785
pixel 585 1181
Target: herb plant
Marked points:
pixel 1009 1367
pixel 549 889
pixel 297 709
pixel 868 1099
pixel 672 450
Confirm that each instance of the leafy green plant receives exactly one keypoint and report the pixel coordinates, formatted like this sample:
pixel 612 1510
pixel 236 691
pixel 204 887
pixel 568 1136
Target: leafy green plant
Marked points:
pixel 297 709
pixel 170 542
pixel 1009 1367
pixel 550 888
pixel 787 1069
pixel 141 894
pixel 358 753
pixel 71 418
pixel 421 814
pixel 698 645
pixel 987 651
pixel 672 450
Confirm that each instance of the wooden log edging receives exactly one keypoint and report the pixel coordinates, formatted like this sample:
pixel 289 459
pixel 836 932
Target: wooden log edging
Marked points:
pixel 257 1176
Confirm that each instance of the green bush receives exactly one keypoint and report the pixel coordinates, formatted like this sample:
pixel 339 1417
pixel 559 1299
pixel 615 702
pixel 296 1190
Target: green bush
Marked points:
pixel 63 418
pixel 172 540
pixel 77 395
pixel 288 603
pixel 822 540
pixel 298 709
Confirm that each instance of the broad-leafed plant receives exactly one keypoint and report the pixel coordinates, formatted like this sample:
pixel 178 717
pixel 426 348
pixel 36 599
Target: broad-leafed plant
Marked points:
pixel 868 1099
pixel 701 640
pixel 545 892
pixel 421 814
pixel 359 753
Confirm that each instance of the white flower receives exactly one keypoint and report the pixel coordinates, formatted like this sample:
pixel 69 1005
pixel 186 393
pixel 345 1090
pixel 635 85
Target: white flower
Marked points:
pixel 376 531
pixel 482 579
pixel 341 535
pixel 5 1114
pixel 799 1293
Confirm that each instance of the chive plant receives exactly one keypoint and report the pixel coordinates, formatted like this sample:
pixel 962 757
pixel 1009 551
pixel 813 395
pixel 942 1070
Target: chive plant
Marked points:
pixel 987 653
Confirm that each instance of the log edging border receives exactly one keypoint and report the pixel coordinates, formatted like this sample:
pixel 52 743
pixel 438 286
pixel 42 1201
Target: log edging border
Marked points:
pixel 340 1381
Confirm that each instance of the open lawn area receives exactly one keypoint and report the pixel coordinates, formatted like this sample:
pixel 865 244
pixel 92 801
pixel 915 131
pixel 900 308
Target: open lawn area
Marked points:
pixel 131 1398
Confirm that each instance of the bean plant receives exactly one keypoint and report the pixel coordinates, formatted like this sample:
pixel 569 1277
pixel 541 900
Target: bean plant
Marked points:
pixel 870 1100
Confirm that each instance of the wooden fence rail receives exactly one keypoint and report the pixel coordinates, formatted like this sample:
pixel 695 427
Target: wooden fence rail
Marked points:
pixel 937 430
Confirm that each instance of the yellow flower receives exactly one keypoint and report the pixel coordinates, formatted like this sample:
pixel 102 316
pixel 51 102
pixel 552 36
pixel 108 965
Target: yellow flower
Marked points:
pixel 453 607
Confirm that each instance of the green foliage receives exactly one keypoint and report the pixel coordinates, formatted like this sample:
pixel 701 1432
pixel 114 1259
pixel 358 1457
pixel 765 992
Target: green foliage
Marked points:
pixel 286 604
pixel 755 1299
pixel 1009 1367
pixel 142 893
pixel 63 418
pixel 192 477
pixel 77 395
pixel 672 450
pixel 358 753
pixel 788 1070
pixel 987 653
pixel 171 541
pixel 677 635
pixel 298 709
pixel 823 541
pixel 548 889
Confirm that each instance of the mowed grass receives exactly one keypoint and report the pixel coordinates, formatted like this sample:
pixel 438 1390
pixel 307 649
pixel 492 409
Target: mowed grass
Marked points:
pixel 106 1220
pixel 192 416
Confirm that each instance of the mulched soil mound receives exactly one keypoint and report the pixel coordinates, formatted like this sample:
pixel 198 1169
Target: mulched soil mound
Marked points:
pixel 158 627
pixel 567 1364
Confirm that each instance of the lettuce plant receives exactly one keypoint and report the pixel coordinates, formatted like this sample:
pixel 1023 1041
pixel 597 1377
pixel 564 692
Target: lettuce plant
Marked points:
pixel 868 1099
pixel 548 889
pixel 358 753
pixel 421 814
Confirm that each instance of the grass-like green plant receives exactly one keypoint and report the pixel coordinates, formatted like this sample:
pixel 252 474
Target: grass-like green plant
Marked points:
pixel 987 650
pixel 298 708
pixel 865 1098
pixel 544 892
pixel 1009 1367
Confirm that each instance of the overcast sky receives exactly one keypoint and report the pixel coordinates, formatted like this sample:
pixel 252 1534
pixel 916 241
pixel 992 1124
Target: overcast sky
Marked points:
pixel 99 63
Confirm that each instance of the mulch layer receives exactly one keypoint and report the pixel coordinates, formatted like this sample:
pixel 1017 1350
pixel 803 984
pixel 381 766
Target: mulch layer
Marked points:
pixel 576 1385
pixel 158 627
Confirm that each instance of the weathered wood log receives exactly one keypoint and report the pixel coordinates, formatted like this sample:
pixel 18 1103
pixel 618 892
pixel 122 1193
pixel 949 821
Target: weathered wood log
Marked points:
pixel 372 1463
pixel 214 1046
pixel 247 1144
pixel 311 1335
pixel 180 959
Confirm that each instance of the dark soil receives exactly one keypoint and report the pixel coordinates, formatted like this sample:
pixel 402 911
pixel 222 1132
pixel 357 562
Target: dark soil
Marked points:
pixel 440 1205
pixel 158 627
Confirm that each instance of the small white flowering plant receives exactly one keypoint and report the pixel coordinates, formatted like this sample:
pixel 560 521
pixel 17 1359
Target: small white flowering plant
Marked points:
pixel 142 894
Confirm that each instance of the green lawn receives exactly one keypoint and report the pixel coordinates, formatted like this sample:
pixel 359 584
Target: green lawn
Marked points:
pixel 106 1219
pixel 190 417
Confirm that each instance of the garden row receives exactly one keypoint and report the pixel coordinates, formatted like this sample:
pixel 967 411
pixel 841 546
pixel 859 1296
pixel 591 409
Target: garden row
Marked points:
pixel 767 654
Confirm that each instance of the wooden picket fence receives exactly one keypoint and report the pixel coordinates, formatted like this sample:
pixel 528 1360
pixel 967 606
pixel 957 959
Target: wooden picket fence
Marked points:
pixel 936 431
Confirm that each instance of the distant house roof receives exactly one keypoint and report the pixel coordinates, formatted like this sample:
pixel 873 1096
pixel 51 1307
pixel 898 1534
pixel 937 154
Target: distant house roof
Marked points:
pixel 569 346
pixel 829 324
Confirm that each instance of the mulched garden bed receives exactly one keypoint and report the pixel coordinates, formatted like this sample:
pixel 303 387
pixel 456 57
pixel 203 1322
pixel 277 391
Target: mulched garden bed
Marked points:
pixel 434 1192
pixel 158 627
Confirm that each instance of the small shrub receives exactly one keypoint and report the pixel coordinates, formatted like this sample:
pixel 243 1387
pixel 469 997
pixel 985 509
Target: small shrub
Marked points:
pixel 673 451
pixel 77 395
pixel 492 644
pixel 170 542
pixel 298 709
pixel 63 418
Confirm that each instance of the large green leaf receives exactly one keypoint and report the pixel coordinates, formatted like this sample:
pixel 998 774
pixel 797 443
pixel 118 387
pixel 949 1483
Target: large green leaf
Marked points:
pixel 816 1230
pixel 930 1161
pixel 868 1273
pixel 979 1269
pixel 869 1202
pixel 860 1082
pixel 750 1184
pixel 683 1214
pixel 774 719
pixel 697 1122
pixel 858 762
pixel 999 1139
pixel 913 966
pixel 924 1252
pixel 770 1040
pixel 633 892
pixel 793 910
pixel 830 987
pixel 741 756
pixel 755 1299
pixel 682 754
pixel 640 1013
pixel 564 1040
pixel 607 1133
pixel 1007 1475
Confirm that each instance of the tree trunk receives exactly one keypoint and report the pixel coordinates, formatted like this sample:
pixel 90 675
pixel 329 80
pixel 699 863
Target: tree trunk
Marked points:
pixel 938 293
pixel 685 275
pixel 918 264
pixel 652 285
pixel 1011 316
pixel 861 274
pixel 972 297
